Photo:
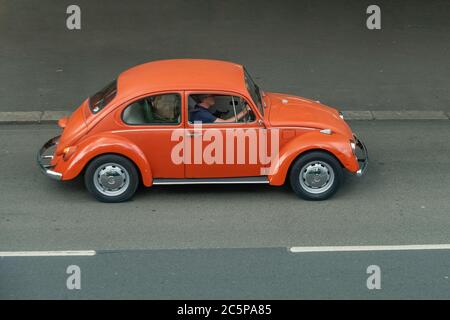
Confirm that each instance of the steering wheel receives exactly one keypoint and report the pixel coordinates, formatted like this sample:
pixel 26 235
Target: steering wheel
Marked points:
pixel 248 116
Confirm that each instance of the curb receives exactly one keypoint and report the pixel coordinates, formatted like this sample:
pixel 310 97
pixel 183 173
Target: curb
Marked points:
pixel 31 117
pixel 410 115
pixel 37 117
pixel 20 117
pixel 358 115
pixel 53 116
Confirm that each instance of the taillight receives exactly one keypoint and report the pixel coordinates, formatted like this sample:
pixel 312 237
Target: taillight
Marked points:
pixel 68 152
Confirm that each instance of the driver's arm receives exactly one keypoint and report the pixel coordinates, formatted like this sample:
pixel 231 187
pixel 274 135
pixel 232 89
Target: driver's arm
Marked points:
pixel 233 119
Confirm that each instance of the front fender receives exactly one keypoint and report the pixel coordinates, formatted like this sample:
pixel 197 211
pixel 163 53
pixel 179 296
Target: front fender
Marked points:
pixel 96 145
pixel 334 143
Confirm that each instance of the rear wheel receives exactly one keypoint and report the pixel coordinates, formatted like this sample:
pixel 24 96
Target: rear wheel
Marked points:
pixel 316 176
pixel 111 178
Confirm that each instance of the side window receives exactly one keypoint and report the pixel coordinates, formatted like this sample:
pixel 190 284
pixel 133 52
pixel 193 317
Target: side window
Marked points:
pixel 207 108
pixel 99 100
pixel 157 109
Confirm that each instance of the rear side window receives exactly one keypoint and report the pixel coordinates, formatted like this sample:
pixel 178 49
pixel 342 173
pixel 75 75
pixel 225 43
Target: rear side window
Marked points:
pixel 101 99
pixel 162 109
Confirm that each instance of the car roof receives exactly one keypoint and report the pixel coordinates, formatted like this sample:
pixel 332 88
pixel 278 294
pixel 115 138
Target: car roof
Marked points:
pixel 182 74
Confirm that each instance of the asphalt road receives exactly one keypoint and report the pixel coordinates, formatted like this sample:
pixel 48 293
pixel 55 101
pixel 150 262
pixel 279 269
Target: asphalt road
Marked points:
pixel 317 49
pixel 231 241
pixel 403 199
pixel 267 273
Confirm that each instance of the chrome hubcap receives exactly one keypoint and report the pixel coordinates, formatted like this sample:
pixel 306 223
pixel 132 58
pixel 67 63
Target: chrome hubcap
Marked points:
pixel 111 179
pixel 316 177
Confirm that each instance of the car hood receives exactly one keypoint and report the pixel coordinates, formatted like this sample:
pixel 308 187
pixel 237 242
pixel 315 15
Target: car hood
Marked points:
pixel 292 111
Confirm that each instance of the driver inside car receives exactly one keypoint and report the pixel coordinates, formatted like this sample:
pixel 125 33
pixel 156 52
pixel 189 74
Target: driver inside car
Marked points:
pixel 201 112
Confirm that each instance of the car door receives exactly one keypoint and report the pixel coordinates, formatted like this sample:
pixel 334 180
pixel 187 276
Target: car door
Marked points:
pixel 222 150
pixel 150 122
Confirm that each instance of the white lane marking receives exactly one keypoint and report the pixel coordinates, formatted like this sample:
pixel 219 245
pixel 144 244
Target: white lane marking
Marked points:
pixel 370 248
pixel 47 253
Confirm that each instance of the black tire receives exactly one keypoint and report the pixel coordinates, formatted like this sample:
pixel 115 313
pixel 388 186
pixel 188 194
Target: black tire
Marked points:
pixel 326 163
pixel 128 175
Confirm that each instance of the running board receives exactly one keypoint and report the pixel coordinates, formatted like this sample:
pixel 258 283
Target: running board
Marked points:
pixel 242 180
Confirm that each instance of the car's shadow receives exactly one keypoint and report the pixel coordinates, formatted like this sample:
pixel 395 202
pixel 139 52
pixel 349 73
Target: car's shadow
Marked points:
pixel 230 191
pixel 75 189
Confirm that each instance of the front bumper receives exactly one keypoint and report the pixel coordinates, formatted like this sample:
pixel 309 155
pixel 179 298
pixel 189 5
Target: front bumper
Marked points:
pixel 363 157
pixel 45 156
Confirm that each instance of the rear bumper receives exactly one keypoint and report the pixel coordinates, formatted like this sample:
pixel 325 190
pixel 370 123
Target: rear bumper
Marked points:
pixel 44 159
pixel 363 157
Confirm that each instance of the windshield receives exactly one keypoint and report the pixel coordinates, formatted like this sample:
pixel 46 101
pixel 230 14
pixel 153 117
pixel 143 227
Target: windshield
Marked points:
pixel 101 99
pixel 254 91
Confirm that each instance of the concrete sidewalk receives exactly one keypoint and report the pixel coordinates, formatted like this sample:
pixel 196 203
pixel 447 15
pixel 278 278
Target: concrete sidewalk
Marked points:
pixel 36 117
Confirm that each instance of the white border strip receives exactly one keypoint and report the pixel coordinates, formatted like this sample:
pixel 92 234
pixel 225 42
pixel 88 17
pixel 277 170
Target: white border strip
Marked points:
pixel 47 253
pixel 370 248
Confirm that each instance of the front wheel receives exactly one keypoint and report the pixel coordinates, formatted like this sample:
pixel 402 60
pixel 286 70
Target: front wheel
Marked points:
pixel 316 176
pixel 111 178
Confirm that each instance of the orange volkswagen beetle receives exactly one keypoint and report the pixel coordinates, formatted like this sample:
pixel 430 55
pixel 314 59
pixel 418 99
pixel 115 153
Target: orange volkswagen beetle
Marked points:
pixel 192 121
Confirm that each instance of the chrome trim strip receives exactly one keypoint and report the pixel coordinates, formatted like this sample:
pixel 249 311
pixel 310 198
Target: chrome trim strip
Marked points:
pixel 244 180
pixel 326 131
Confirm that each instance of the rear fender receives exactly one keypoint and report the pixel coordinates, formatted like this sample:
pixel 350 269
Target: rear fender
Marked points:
pixel 104 143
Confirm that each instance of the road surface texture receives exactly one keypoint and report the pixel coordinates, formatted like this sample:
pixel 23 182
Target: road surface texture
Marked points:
pixel 403 199
pixel 232 241
pixel 268 273
pixel 317 49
